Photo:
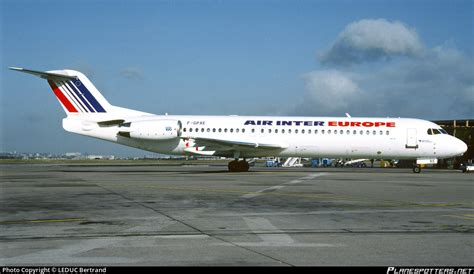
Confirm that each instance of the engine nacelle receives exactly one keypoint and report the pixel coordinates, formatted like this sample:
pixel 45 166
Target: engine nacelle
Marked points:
pixel 152 129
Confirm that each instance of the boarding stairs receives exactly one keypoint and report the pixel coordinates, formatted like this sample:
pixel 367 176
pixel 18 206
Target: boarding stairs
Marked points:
pixel 293 162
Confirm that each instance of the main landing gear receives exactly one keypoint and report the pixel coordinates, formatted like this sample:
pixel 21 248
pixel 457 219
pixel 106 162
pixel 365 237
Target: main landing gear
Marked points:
pixel 416 168
pixel 239 166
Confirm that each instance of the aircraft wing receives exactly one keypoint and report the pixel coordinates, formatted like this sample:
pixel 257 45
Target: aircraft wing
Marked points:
pixel 226 144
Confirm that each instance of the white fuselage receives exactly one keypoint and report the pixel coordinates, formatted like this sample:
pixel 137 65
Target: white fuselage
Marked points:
pixel 335 137
pixel 90 114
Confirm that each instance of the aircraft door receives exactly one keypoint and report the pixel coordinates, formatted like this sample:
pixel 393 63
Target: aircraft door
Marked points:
pixel 412 141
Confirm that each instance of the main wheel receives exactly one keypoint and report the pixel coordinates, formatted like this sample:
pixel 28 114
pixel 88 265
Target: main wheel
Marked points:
pixel 233 166
pixel 417 169
pixel 238 166
pixel 244 166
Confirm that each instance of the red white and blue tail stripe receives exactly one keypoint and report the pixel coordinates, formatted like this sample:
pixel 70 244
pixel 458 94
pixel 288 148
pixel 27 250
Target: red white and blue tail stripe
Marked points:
pixel 74 96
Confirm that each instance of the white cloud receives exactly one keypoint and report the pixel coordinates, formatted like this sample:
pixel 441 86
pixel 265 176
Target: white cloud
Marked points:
pixel 329 90
pixel 372 39
pixel 437 85
pixel 431 83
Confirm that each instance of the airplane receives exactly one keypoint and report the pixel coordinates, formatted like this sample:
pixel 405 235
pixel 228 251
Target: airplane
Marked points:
pixel 241 137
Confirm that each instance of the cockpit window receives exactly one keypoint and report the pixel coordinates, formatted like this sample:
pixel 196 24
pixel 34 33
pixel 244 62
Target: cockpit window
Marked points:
pixel 436 131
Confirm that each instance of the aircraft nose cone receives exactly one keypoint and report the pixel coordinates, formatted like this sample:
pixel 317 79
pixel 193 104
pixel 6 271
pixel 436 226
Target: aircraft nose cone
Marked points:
pixel 462 147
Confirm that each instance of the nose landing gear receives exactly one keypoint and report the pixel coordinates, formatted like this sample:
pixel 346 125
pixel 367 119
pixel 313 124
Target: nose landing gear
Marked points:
pixel 416 168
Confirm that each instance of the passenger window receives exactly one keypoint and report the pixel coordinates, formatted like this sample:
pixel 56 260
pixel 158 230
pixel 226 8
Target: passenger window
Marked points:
pixel 208 130
pixel 184 129
pixel 315 131
pixel 262 130
pixel 329 131
pixel 289 131
pixel 225 130
pixel 231 130
pixel 202 129
pixel 253 130
pixel 309 131
pixel 341 131
pixel 296 131
pixel 243 130
pixel 236 130
pixel 381 132
pixel 190 130
pixel 374 132
pixel 335 132
pixel 361 132
pixel 269 130
pixel 197 129
pixel 276 130
pixel 282 131
pixel 213 130
pixel 354 132
pixel 322 131
pixel 387 132
pixel 302 131
pixel 348 132
pixel 220 129
pixel 367 132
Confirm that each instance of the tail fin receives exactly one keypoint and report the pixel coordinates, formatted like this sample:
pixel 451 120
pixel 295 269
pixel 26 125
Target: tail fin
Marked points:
pixel 74 91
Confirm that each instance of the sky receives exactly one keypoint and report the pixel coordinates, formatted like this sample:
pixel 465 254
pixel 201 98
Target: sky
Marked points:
pixel 311 58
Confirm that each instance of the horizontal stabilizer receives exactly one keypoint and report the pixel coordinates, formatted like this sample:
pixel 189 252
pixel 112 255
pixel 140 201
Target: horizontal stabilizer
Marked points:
pixel 46 75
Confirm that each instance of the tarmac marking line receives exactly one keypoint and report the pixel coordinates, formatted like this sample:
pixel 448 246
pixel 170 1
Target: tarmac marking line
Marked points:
pixel 268 192
pixel 68 220
pixel 292 182
pixel 277 236
pixel 322 196
pixel 469 217
pixel 434 204
pixel 271 236
pixel 232 191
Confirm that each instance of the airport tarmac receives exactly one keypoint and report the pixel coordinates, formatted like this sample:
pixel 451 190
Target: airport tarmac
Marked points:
pixel 203 215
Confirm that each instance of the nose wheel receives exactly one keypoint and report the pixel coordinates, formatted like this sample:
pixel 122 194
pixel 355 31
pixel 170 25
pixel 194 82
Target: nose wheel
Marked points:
pixel 238 166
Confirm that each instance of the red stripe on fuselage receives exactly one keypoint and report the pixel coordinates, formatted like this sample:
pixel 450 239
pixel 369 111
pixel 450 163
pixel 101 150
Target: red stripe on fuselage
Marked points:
pixel 62 98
